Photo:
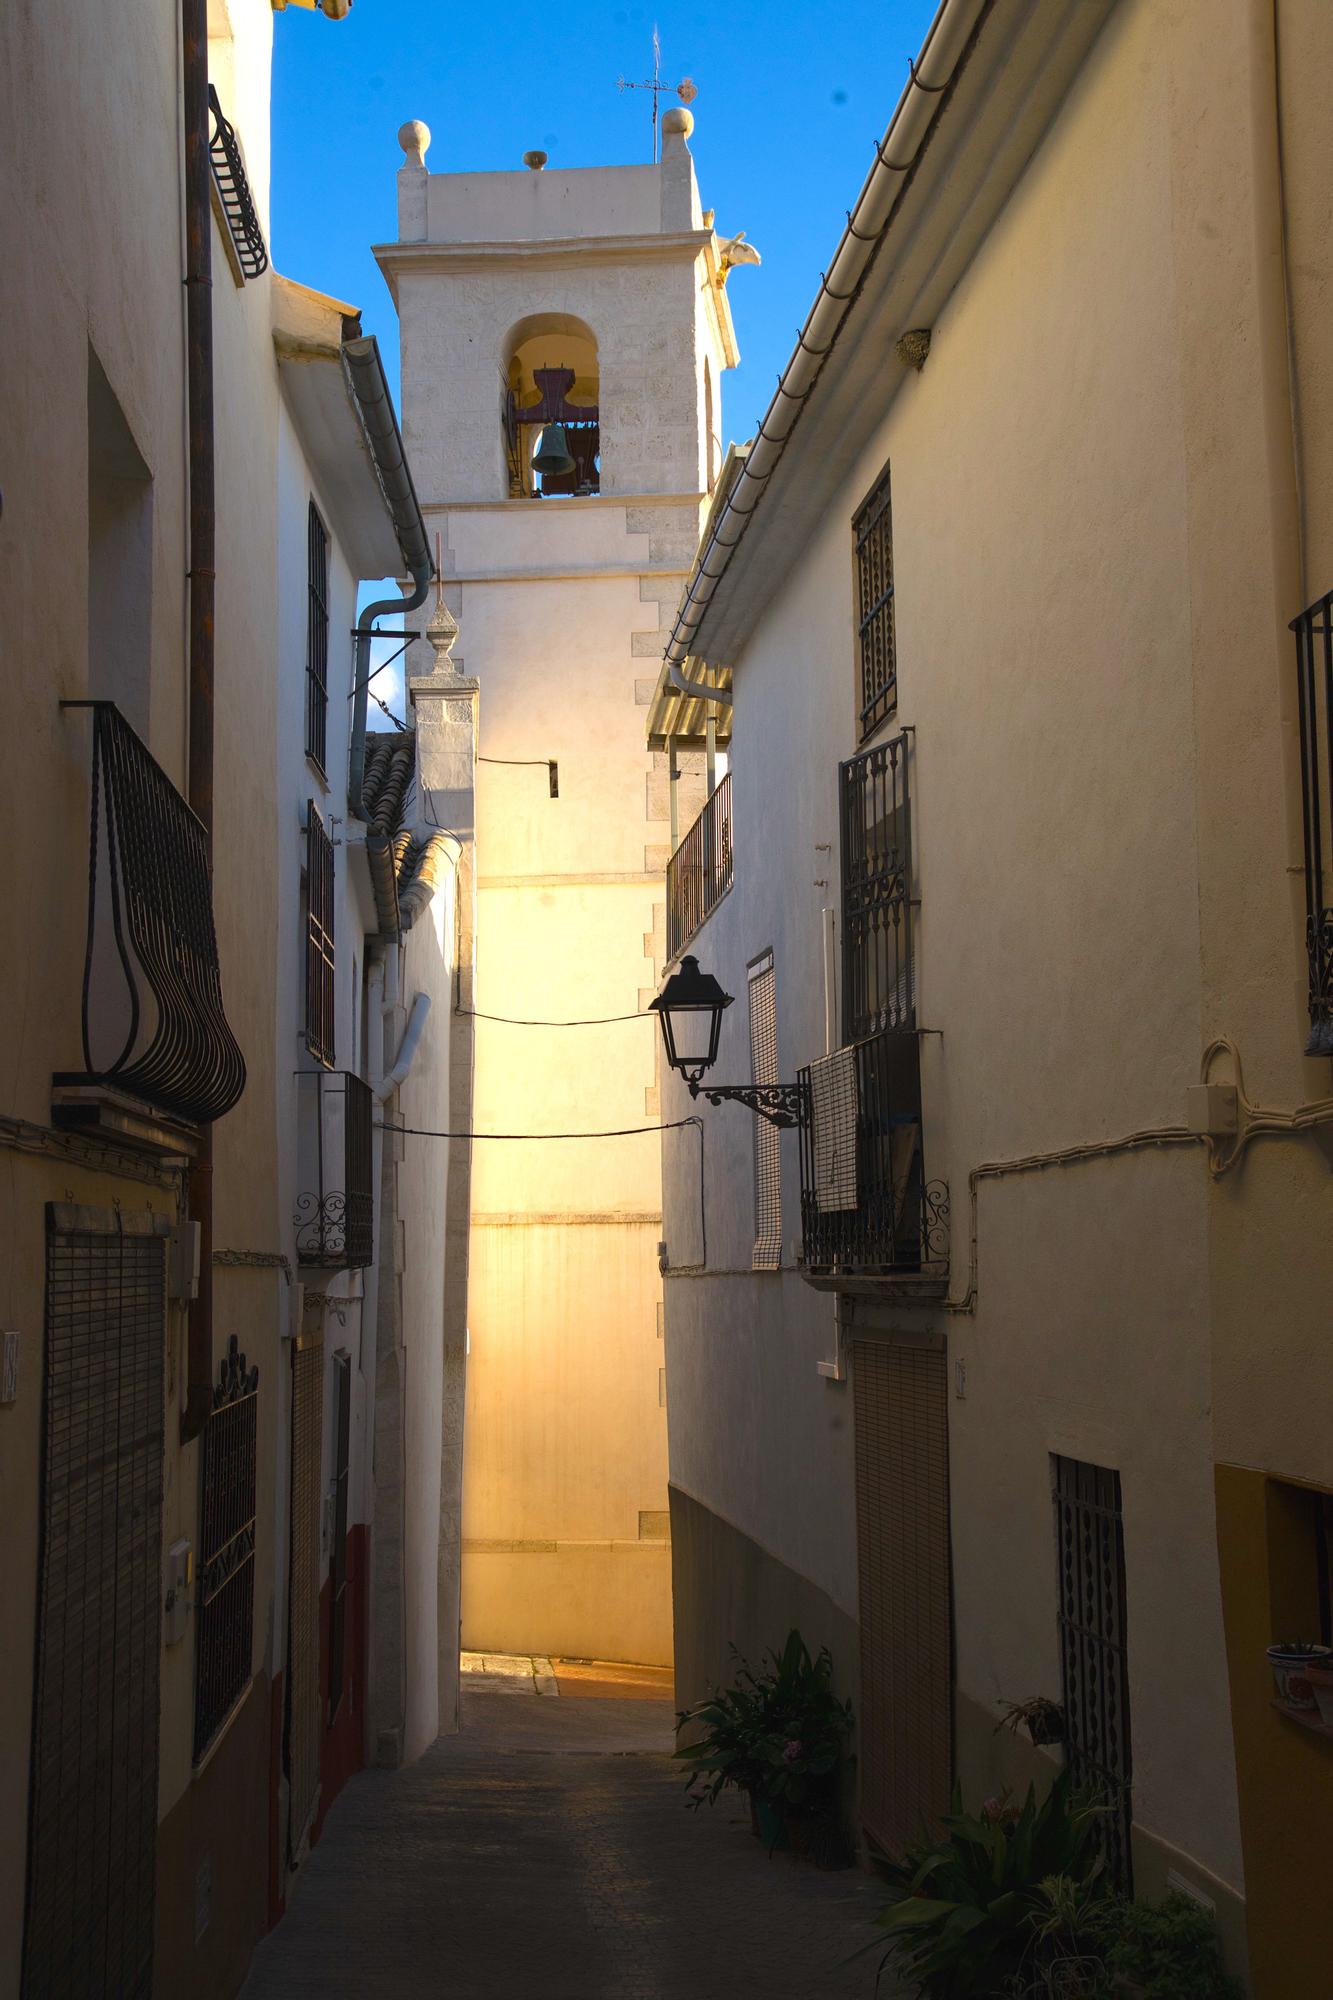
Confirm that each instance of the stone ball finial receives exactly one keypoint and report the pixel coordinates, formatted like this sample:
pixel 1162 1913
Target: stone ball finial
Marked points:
pixel 536 160
pixel 414 137
pixel 678 119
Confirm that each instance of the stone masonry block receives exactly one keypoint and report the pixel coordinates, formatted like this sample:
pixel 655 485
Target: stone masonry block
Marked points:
pixel 655 860
pixel 643 693
pixel 646 645
pixel 658 802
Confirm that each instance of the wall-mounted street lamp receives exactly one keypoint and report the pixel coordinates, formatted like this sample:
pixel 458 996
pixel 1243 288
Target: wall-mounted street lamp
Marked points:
pixel 690 1008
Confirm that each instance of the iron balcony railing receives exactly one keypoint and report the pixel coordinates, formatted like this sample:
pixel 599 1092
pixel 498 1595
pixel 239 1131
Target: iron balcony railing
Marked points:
pixel 335 1212
pixel 1314 670
pixel 153 1023
pixel 699 872
pixel 867 1207
pixel 878 907
pixel 233 186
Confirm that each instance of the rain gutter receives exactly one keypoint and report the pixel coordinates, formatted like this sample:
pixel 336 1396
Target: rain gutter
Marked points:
pixel 942 54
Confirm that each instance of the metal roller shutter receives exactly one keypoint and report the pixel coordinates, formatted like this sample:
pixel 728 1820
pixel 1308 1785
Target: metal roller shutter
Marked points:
pixel 902 1536
pixel 93 1797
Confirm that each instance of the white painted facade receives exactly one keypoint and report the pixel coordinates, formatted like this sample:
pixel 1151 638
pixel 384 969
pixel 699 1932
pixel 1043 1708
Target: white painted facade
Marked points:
pixel 559 603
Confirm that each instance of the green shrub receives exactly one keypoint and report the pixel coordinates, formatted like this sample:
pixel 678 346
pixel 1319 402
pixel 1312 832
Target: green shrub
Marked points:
pixel 1170 1948
pixel 972 1912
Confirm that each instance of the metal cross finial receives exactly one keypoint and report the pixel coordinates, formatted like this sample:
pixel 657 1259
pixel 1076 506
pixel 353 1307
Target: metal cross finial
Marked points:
pixel 685 89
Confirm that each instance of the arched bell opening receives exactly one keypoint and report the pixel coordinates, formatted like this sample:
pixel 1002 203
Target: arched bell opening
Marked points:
pixel 549 413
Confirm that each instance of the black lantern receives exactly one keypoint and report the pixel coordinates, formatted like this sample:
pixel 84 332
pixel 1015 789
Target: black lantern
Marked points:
pixel 690 1008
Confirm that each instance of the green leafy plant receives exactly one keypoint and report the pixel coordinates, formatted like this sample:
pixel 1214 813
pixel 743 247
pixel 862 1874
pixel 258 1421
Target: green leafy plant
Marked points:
pixel 779 1732
pixel 1170 1949
pixel 972 1912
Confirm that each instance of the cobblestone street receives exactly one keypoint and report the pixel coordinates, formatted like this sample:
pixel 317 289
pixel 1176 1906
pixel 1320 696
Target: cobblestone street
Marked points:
pixel 546 1851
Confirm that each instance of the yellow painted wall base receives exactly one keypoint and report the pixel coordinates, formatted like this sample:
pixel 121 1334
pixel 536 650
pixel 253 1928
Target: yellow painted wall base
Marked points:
pixel 1284 1772
pixel 586 1600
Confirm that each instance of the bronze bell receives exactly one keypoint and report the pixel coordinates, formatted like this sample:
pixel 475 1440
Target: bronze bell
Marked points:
pixel 552 454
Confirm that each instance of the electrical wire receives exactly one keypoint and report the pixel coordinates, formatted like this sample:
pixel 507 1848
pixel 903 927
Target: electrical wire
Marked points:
pixel 510 1021
pixel 623 1132
pixel 542 763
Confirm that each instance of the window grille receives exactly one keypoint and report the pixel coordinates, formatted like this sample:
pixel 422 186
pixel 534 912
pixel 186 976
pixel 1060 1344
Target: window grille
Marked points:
pixel 878 915
pixel 1314 667
pixel 93 1788
pixel 342 1364
pixel 334 1216
pixel 1090 1551
pixel 303 1707
pixel 319 966
pixel 872 529
pixel 224 1636
pixel 317 640
pixel 229 178
pixel 905 1724
pixel 767 1138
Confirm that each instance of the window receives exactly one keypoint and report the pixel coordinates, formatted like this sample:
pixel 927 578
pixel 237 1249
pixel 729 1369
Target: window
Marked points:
pixel 767 1138
pixel 1314 668
pixel 319 966
pixel 549 382
pixel 317 641
pixel 872 528
pixel 878 983
pixel 120 556
pixel 1090 1556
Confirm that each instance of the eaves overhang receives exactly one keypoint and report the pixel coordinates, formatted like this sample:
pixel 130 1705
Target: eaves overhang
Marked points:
pixel 1007 83
pixel 308 332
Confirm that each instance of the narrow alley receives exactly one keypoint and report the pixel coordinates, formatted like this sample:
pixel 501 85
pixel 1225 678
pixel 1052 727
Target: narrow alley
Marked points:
pixel 546 1849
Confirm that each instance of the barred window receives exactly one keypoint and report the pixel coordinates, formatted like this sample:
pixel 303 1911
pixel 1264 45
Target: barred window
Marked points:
pixel 319 966
pixel 317 640
pixel 767 1138
pixel 1094 1671
pixel 872 529
pixel 878 911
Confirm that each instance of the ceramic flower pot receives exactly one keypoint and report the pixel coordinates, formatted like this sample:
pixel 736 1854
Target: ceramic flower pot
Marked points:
pixel 1320 1677
pixel 1290 1665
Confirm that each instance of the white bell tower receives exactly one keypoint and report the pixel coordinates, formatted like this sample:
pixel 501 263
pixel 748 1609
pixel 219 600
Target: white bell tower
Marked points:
pixel 585 309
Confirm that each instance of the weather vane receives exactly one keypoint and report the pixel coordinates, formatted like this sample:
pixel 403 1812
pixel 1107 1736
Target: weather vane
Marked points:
pixel 685 89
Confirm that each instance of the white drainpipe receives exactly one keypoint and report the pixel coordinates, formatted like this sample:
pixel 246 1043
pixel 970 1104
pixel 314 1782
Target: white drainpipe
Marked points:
pixel 407 1049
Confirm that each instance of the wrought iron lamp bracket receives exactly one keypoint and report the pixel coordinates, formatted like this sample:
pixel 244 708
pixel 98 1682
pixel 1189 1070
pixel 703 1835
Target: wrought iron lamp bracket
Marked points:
pixel 781 1103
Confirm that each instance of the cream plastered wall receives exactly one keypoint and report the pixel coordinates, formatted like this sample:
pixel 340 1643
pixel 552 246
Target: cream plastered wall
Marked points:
pixel 93 244
pixel 560 606
pixel 1091 654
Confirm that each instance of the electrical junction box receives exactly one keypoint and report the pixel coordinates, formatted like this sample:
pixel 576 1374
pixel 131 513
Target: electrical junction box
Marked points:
pixel 183 1262
pixel 176 1603
pixel 1212 1109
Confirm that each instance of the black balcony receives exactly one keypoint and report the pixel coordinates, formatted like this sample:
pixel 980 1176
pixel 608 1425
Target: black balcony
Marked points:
pixel 153 1025
pixel 867 1208
pixel 1314 668
pixel 233 186
pixel 335 1212
pixel 699 873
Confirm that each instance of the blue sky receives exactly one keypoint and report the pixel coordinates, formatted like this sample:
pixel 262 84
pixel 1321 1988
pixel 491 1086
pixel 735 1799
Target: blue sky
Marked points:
pixel 791 100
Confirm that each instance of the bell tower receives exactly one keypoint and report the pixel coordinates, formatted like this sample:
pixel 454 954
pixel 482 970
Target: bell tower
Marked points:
pixel 563 336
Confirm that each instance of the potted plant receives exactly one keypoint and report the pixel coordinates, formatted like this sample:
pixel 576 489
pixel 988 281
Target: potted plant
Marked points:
pixel 969 1912
pixel 1166 1951
pixel 779 1734
pixel 1290 1660
pixel 1043 1719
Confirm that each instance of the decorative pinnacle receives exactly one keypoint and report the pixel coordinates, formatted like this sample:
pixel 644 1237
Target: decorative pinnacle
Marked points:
pixel 443 633
pixel 414 137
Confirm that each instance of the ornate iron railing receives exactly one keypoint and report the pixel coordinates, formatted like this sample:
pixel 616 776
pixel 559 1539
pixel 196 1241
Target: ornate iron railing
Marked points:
pixel 699 872
pixel 335 1213
pixel 233 186
pixel 1314 669
pixel 866 1205
pixel 152 989
pixel 878 912
pixel 226 1611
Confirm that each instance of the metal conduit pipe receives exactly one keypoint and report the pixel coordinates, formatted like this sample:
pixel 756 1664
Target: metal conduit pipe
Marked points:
pixel 895 156
pixel 202 540
pixel 364 373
